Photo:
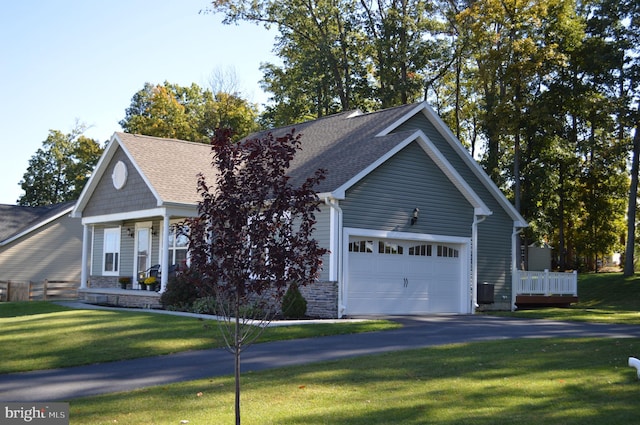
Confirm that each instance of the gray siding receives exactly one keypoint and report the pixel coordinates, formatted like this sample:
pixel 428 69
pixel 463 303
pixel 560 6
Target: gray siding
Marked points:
pixel 385 199
pixel 52 252
pixel 134 196
pixel 494 234
pixel 322 234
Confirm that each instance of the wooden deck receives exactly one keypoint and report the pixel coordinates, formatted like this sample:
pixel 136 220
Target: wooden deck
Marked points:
pixel 545 300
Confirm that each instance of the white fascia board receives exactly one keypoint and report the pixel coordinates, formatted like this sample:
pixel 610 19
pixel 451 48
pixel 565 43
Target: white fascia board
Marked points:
pixel 480 208
pixel 144 177
pixel 340 192
pixel 98 171
pixel 453 141
pixel 475 167
pixel 436 156
pixel 420 106
pixel 175 211
pixel 101 169
pixel 37 226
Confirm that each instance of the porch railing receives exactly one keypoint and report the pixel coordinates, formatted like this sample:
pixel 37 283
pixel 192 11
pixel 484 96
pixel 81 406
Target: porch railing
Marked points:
pixel 547 283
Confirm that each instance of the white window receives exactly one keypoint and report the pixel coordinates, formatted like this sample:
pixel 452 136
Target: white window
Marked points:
pixel 178 244
pixel 111 252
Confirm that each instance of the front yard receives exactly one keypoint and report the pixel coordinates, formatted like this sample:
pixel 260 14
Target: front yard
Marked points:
pixel 528 381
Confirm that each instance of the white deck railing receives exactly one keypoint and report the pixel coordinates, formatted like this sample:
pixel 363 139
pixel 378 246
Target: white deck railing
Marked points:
pixel 546 283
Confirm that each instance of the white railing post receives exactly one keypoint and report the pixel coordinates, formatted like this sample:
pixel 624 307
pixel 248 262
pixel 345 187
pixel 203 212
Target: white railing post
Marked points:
pixel 546 281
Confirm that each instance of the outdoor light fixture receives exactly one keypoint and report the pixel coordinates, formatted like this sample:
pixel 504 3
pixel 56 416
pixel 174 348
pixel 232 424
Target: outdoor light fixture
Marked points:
pixel 414 217
pixel 154 232
pixel 130 232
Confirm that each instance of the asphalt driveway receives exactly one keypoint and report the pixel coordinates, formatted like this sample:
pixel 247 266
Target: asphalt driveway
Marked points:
pixel 417 332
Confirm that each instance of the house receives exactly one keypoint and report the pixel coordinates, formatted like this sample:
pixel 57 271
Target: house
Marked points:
pixel 412 222
pixel 39 244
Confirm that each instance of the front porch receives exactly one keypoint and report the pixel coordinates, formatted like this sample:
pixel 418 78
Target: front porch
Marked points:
pixel 545 288
pixel 132 298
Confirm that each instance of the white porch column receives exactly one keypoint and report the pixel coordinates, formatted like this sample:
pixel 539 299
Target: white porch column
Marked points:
pixel 86 245
pixel 164 266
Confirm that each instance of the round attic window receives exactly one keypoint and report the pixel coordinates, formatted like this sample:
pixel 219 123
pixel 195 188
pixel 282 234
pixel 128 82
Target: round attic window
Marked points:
pixel 119 175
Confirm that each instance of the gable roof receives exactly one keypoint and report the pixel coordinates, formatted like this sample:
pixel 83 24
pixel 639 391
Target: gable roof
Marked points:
pixel 349 145
pixel 169 167
pixel 17 221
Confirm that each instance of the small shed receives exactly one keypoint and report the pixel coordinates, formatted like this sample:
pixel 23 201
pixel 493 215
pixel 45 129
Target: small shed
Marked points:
pixel 539 257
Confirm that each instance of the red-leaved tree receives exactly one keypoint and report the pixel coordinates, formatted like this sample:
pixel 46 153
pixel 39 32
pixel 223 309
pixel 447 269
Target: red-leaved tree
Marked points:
pixel 253 235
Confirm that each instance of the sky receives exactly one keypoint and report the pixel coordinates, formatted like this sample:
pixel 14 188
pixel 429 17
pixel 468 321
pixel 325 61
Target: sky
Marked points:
pixel 69 61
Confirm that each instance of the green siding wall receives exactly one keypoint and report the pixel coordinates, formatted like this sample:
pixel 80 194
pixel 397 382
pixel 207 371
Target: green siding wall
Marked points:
pixel 494 234
pixel 385 199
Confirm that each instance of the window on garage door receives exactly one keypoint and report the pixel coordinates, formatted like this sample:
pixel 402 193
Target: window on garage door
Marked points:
pixel 447 251
pixel 390 248
pixel 361 246
pixel 423 250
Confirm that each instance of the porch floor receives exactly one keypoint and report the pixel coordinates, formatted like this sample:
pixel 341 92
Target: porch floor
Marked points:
pixel 545 300
pixel 120 297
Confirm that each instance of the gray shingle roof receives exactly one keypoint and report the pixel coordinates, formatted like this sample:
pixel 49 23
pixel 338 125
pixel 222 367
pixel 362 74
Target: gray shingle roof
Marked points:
pixel 344 144
pixel 170 165
pixel 15 219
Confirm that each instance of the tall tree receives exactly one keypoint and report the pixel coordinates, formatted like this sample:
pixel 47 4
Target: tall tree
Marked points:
pixel 59 170
pixel 253 235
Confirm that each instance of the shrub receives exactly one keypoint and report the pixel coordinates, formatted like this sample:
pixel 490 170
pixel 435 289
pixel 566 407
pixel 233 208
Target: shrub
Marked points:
pixel 181 291
pixel 204 305
pixel 294 305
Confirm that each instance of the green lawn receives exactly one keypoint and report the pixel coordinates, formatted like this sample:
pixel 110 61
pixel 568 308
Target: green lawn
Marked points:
pixel 41 335
pixel 550 381
pixel 528 381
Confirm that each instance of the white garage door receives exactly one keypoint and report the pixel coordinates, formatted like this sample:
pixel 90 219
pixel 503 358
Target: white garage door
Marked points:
pixel 404 277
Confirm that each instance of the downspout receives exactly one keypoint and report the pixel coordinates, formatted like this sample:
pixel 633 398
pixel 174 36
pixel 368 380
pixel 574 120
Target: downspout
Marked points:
pixel 477 219
pixel 336 235
pixel 514 265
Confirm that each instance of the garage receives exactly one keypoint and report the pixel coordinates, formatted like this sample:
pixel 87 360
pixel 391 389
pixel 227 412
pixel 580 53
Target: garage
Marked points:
pixel 394 276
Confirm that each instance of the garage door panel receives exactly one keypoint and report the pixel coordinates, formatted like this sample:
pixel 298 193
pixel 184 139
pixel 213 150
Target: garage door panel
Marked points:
pixel 427 281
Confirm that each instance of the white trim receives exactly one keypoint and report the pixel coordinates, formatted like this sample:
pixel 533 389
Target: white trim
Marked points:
pixel 437 157
pixel 148 225
pixel 118 232
pixel 403 119
pixel 451 139
pixel 183 212
pixel 465 272
pixel 37 226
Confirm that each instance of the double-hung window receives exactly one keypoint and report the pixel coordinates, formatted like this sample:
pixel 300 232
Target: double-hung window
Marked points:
pixel 111 252
pixel 178 244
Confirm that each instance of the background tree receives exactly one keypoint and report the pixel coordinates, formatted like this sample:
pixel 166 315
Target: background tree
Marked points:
pixel 538 90
pixel 59 170
pixel 253 235
pixel 187 113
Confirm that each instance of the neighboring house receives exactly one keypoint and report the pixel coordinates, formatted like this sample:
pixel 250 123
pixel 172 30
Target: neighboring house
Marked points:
pixel 40 243
pixel 411 220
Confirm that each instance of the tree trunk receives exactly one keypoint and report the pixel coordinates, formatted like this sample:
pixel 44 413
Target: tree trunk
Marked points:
pixel 631 211
pixel 237 350
pixel 561 247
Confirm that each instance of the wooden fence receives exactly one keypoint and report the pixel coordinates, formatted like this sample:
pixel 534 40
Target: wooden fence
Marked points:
pixel 38 291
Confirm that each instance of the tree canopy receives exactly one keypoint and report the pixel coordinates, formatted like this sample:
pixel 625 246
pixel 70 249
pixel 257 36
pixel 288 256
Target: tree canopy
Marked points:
pixel 187 113
pixel 59 170
pixel 540 91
